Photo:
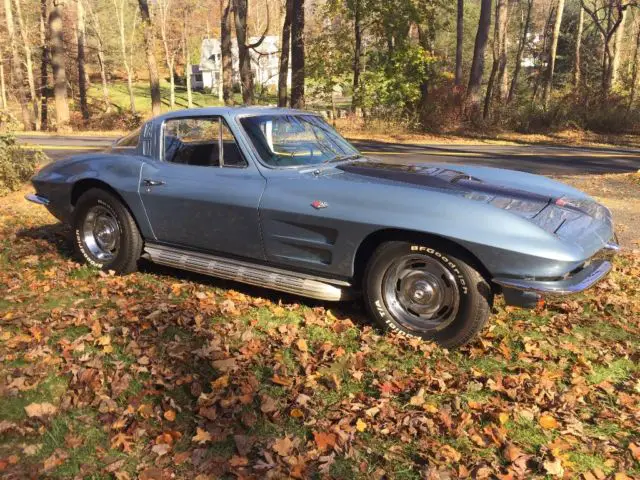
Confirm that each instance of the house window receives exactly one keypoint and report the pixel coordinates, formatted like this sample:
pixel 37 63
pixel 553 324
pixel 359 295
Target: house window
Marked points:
pixel 198 77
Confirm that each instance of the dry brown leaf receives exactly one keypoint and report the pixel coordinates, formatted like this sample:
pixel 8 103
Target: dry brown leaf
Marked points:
pixel 40 409
pixel 547 421
pixel 283 446
pixel 554 467
pixel 170 415
pixel 201 436
pixel 324 440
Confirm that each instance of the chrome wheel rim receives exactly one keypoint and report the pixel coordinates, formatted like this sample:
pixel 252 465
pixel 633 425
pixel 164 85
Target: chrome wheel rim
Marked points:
pixel 101 233
pixel 421 293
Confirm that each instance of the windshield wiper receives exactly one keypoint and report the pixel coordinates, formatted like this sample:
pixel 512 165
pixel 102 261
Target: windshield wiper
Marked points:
pixel 345 157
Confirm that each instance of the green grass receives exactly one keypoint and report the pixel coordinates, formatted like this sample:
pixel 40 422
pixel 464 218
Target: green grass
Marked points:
pixel 49 390
pixel 616 371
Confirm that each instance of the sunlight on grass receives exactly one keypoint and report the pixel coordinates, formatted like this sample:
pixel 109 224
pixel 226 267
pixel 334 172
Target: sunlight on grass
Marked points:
pixel 617 371
pixel 49 390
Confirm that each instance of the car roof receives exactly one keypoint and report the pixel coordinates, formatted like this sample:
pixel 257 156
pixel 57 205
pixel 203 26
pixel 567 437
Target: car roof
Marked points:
pixel 232 111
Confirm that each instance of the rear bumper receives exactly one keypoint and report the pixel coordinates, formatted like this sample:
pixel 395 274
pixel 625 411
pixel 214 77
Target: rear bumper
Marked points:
pixel 527 292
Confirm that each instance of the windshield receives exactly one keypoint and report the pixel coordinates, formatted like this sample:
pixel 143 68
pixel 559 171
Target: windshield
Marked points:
pixel 293 140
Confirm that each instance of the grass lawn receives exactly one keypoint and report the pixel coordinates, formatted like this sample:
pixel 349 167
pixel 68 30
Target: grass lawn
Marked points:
pixel 163 374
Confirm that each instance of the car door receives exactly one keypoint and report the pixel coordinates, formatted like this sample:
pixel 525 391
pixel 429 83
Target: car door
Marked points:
pixel 201 193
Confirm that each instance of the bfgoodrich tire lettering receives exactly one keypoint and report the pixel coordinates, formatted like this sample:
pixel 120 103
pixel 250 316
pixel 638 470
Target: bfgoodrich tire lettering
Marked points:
pixel 120 248
pixel 426 291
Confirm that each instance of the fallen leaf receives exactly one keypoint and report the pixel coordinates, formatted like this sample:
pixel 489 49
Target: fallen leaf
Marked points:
pixel 201 436
pixel 548 422
pixel 170 415
pixel 554 468
pixel 324 440
pixel 40 409
pixel 361 425
pixel 283 446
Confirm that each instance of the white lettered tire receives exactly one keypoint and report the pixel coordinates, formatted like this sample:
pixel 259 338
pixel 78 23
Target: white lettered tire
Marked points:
pixel 426 291
pixel 105 233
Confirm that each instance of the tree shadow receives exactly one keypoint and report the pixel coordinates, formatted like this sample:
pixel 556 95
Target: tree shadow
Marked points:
pixel 61 236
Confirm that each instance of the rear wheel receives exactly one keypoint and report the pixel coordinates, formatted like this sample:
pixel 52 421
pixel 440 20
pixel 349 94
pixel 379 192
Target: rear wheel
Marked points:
pixel 106 234
pixel 426 292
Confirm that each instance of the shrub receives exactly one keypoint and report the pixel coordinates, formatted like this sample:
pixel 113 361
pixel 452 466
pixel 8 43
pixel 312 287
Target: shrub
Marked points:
pixel 17 164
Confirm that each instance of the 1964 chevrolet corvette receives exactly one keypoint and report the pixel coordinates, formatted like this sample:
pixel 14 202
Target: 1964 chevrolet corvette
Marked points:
pixel 276 198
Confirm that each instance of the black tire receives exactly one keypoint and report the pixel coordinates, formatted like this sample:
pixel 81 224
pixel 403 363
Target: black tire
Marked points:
pixel 126 239
pixel 395 273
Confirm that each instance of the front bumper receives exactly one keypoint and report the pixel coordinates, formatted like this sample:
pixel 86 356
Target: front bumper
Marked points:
pixel 39 199
pixel 527 292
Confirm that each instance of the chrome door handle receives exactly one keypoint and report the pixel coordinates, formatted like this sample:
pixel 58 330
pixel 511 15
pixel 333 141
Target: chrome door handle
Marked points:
pixel 152 183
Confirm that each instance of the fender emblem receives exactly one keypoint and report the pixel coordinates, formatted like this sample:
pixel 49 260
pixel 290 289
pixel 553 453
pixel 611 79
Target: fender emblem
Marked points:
pixel 318 204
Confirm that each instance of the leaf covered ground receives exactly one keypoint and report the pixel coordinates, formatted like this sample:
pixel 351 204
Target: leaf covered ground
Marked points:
pixel 163 374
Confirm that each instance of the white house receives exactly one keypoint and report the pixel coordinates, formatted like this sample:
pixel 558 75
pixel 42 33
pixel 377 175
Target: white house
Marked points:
pixel 264 63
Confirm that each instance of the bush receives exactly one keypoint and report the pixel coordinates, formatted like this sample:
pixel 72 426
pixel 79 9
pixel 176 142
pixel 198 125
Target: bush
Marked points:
pixel 17 164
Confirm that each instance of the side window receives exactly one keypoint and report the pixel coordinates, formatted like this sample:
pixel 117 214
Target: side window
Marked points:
pixel 201 142
pixel 130 141
pixel 231 155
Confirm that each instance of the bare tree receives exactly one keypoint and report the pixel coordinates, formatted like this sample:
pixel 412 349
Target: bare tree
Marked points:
pixel 97 32
pixel 17 74
pixel 356 100
pixel 607 15
pixel 285 51
pixel 119 6
pixel 154 79
pixel 553 47
pixel 225 51
pixel 617 49
pixel 297 55
pixel 3 87
pixel 26 45
pixel 164 10
pixel 576 57
pixel 240 13
pixel 498 69
pixel 459 41
pixel 526 24
pixel 44 66
pixel 187 61
pixel 58 67
pixel 477 65
pixel 634 72
pixel 82 76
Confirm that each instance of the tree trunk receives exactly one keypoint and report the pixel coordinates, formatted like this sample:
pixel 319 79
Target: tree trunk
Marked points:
pixel 477 65
pixel 58 67
pixel 285 50
pixel 576 66
pixel 100 54
pixel 356 99
pixel 17 75
pixel 169 56
pixel 3 87
pixel 154 79
pixel 297 55
pixel 29 64
pixel 618 41
pixel 187 63
pixel 459 42
pixel 82 78
pixel 634 74
pixel 503 80
pixel 523 42
pixel 553 47
pixel 225 53
pixel 244 58
pixel 44 67
pixel 119 8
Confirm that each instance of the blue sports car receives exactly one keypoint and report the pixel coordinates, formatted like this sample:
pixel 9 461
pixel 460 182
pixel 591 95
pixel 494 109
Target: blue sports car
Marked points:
pixel 276 198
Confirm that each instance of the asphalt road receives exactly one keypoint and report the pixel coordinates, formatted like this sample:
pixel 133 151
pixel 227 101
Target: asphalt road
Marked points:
pixel 546 160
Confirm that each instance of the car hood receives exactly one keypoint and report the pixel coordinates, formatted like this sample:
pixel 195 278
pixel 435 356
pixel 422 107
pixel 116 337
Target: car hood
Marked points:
pixel 553 206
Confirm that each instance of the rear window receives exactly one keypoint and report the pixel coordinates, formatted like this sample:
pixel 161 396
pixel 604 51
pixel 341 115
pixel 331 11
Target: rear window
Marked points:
pixel 130 140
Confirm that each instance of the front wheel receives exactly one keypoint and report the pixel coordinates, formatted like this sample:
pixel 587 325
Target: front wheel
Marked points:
pixel 106 235
pixel 426 292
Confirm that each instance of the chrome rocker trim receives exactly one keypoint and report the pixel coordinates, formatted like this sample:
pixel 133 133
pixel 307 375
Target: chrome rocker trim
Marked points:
pixel 252 274
pixel 40 200
pixel 585 278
